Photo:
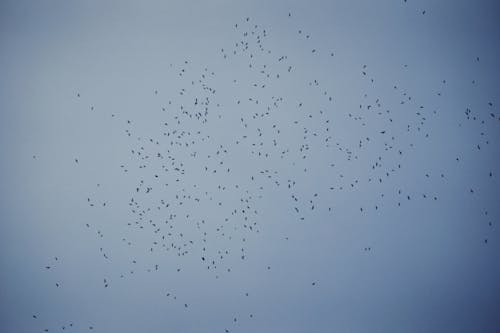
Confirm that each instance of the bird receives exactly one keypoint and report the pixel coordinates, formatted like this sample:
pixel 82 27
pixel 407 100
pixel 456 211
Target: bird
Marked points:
pixel 269 148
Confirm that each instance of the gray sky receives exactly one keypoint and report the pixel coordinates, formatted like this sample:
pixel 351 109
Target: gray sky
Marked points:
pixel 341 167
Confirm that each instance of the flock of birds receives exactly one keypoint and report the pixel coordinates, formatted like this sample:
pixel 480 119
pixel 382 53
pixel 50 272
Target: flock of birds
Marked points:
pixel 185 217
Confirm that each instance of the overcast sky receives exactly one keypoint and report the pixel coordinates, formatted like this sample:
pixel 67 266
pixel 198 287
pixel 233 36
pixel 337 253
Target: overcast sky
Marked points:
pixel 256 166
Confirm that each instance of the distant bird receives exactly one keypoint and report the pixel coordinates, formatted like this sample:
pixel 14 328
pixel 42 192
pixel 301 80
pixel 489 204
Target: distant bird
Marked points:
pixel 260 146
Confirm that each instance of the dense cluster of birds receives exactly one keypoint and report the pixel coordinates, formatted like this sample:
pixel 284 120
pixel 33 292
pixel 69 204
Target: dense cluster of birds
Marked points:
pixel 183 216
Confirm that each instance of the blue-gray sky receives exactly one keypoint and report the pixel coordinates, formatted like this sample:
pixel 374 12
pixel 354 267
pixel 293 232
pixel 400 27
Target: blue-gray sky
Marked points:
pixel 337 161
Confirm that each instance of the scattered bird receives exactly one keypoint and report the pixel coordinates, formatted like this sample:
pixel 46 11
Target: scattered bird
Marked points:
pixel 192 194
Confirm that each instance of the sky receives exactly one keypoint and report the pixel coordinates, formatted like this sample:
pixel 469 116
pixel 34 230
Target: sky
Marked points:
pixel 249 166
